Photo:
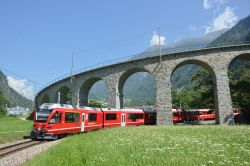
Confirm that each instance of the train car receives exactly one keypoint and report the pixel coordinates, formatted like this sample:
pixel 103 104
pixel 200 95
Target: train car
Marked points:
pixel 91 118
pixel 111 118
pixel 149 116
pixel 132 117
pixel 206 114
pixel 191 115
pixel 178 116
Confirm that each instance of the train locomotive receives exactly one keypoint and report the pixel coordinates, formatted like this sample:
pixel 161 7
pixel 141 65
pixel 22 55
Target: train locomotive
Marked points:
pixel 53 121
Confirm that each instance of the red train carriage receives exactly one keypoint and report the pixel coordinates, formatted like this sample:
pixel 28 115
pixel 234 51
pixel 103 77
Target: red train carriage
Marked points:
pixel 56 120
pixel 91 118
pixel 206 114
pixel 178 116
pixel 132 117
pixel 149 116
pixel 111 118
pixel 191 115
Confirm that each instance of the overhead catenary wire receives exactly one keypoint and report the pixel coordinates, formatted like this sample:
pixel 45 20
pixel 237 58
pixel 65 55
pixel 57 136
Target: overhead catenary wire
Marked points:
pixel 20 76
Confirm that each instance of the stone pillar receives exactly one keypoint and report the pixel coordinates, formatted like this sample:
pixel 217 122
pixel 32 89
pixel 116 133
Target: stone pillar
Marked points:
pixel 113 97
pixel 223 101
pixel 163 99
pixel 75 98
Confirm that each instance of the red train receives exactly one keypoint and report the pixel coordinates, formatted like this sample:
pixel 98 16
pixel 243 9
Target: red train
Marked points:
pixel 180 115
pixel 52 121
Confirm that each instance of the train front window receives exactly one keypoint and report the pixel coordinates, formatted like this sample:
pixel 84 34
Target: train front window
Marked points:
pixel 42 115
pixel 55 118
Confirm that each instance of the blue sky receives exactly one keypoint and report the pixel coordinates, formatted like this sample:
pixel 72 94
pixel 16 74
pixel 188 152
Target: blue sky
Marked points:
pixel 37 38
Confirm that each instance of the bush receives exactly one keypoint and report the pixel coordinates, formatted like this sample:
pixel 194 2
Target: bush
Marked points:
pixel 3 110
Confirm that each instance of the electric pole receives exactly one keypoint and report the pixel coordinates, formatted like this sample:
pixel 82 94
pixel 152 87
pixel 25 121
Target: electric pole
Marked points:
pixel 159 38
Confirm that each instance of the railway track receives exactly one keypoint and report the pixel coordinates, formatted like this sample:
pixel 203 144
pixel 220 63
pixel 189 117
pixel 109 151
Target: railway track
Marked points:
pixel 7 150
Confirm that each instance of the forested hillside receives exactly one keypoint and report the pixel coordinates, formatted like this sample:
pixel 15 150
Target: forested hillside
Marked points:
pixel 10 97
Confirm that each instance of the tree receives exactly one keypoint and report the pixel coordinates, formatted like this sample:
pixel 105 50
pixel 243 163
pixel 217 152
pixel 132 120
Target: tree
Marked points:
pixel 240 90
pixel 3 102
pixel 93 103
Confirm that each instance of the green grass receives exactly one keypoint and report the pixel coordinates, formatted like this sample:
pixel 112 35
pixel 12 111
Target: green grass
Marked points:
pixel 153 145
pixel 13 128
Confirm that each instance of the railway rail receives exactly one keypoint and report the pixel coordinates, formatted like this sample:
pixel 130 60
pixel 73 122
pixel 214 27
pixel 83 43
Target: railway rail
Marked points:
pixel 7 150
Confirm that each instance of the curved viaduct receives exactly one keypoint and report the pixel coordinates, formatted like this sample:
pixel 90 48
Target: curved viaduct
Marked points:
pixel 215 60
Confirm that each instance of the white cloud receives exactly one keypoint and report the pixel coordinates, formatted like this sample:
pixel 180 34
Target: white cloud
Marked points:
pixel 208 4
pixel 155 39
pixel 224 20
pixel 192 28
pixel 22 87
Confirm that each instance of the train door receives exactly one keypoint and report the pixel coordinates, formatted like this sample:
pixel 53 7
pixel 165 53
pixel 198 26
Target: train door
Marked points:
pixel 123 122
pixel 83 122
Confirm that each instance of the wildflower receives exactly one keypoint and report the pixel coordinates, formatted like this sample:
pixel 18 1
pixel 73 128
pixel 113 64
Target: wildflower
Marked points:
pixel 210 162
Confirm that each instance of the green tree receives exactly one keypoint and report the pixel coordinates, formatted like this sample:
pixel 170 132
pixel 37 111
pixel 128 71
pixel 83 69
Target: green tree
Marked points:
pixel 3 102
pixel 203 90
pixel 240 90
pixel 93 103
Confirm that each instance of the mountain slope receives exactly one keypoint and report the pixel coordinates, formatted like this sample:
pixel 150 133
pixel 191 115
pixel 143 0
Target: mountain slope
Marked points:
pixel 13 98
pixel 182 45
pixel 238 34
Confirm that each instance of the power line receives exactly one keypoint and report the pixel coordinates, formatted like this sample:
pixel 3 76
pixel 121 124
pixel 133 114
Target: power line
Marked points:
pixel 21 76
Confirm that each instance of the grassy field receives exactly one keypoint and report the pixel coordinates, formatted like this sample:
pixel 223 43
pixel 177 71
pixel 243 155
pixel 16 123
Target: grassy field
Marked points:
pixel 13 128
pixel 153 145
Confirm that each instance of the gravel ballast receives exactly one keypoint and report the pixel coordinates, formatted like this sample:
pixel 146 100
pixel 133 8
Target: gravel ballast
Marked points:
pixel 22 156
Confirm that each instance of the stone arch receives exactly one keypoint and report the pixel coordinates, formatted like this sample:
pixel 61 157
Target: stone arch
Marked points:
pixel 239 82
pixel 240 56
pixel 123 79
pixel 85 88
pixel 45 99
pixel 65 95
pixel 212 73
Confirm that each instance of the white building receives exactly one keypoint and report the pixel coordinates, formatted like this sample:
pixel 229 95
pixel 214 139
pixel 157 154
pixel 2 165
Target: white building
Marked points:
pixel 17 111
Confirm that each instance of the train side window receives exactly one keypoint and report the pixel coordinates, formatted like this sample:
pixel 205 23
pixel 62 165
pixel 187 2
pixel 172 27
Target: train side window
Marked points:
pixel 72 117
pixel 110 116
pixel 92 117
pixel 139 116
pixel 55 118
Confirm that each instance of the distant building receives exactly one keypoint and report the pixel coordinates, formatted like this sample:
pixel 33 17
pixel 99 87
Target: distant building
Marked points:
pixel 18 111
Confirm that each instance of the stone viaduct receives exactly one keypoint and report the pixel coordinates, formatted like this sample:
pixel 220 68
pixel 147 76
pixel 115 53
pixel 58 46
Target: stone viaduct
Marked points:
pixel 215 60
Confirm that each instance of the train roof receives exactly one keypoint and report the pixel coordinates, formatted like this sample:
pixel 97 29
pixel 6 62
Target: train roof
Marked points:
pixel 149 110
pixel 89 108
pixel 55 105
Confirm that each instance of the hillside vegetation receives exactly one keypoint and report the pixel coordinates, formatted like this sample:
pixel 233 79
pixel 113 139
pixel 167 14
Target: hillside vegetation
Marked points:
pixel 153 145
pixel 10 97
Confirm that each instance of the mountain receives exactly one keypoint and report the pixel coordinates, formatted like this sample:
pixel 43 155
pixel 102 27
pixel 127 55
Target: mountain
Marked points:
pixel 238 34
pixel 12 98
pixel 182 45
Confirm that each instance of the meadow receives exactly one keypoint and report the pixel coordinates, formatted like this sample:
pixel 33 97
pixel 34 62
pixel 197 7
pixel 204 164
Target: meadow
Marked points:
pixel 13 128
pixel 153 145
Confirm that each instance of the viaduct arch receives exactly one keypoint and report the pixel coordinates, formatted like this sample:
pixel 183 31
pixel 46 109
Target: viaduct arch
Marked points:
pixel 215 60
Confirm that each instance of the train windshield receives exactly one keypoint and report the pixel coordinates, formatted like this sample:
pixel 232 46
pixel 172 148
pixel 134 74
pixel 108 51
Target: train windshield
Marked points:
pixel 42 115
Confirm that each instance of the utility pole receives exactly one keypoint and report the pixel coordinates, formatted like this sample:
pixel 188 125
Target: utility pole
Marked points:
pixel 59 97
pixel 159 36
pixel 72 64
